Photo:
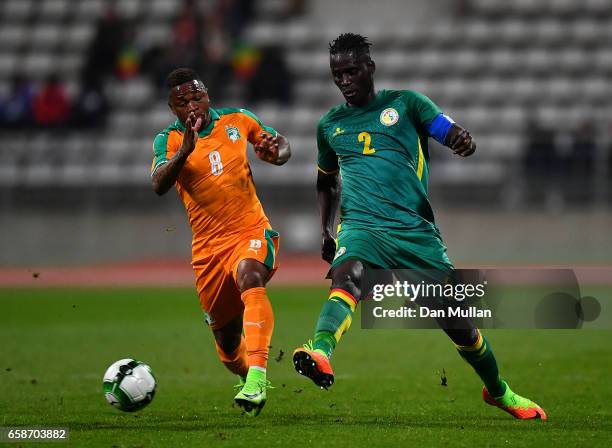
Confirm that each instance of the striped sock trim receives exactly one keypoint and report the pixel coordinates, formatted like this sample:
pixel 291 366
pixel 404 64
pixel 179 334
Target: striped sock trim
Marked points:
pixel 346 297
pixel 346 323
pixel 479 346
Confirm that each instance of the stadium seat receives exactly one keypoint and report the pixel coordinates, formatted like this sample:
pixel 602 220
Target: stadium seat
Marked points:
pixel 132 93
pixel 603 61
pixel 155 33
pixel 69 64
pixel 38 65
pixel 598 8
pixel 161 10
pixel 309 64
pixel 12 36
pixel 528 8
pixel 565 8
pixel 550 32
pixel 513 33
pixel 538 61
pixel 89 11
pixel 523 89
pixel 476 33
pixel 129 9
pixel 595 90
pixel 54 10
pixel 17 10
pixel 158 118
pixel 78 36
pixel 559 90
pixel 575 60
pixel 8 64
pixel 45 36
pixel 587 32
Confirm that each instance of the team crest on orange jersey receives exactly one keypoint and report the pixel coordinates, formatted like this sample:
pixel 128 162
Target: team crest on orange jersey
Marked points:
pixel 232 133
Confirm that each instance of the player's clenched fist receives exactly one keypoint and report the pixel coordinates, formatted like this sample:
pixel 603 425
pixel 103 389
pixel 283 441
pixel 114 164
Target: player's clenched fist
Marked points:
pixel 328 250
pixel 462 143
pixel 267 148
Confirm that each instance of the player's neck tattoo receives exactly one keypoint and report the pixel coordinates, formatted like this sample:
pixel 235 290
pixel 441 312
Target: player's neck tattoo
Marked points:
pixel 190 87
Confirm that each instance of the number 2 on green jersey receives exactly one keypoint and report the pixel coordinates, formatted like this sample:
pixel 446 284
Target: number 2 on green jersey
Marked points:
pixel 366 139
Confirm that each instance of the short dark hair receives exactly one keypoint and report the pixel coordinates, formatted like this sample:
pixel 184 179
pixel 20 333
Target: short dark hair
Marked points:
pixel 350 43
pixel 181 76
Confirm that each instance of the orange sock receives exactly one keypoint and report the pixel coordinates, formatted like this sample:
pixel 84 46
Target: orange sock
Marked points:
pixel 258 324
pixel 236 362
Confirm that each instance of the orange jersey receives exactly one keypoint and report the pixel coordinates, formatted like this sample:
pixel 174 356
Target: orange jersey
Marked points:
pixel 216 184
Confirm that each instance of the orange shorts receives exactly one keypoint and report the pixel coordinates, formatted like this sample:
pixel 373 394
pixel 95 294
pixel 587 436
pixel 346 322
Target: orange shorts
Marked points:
pixel 216 274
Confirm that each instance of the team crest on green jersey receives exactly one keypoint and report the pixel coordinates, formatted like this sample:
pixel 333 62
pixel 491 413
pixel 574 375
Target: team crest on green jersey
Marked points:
pixel 389 116
pixel 232 133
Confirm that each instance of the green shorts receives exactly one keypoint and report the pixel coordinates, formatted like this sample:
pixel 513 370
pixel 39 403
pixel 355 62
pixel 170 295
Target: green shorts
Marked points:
pixel 393 249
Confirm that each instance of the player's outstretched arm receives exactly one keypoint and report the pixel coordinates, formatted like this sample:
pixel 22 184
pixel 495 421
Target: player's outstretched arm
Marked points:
pixel 165 176
pixel 328 188
pixel 460 141
pixel 273 149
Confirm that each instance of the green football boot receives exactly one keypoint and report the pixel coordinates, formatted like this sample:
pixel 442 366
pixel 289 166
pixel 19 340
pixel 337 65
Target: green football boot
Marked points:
pixel 252 396
pixel 241 382
pixel 515 405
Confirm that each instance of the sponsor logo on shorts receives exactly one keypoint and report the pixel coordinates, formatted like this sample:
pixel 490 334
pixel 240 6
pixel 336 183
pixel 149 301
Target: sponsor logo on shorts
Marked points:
pixel 389 116
pixel 255 246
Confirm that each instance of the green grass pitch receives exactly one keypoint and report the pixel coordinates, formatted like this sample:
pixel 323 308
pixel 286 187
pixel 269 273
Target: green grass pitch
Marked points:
pixel 55 345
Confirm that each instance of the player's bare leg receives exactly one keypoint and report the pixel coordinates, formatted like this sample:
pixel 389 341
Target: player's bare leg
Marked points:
pixel 231 347
pixel 312 360
pixel 258 324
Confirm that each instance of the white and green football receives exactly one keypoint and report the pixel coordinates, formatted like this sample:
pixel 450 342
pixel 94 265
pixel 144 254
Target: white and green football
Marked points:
pixel 129 385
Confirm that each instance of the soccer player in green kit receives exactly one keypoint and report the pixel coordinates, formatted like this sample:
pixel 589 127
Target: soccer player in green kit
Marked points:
pixel 377 141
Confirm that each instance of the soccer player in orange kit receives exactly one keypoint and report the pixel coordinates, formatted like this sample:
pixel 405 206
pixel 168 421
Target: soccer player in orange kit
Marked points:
pixel 234 247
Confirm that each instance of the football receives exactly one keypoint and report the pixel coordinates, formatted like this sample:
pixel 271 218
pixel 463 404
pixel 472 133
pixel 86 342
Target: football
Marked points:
pixel 129 385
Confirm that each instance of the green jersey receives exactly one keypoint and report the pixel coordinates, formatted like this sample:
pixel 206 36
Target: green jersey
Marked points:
pixel 381 152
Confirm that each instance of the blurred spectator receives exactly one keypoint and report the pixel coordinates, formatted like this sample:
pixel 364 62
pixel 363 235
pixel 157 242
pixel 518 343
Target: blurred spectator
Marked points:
pixel 295 8
pixel 51 104
pixel 104 49
pixel 16 108
pixel 156 66
pixel 236 15
pixel 215 63
pixel 272 80
pixel 580 165
pixel 541 164
pixel 185 50
pixel 91 107
pixel 129 56
pixel 462 8
pixel 245 61
pixel 198 41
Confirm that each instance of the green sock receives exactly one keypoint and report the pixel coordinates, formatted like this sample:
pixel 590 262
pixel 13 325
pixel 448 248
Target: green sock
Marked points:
pixel 481 358
pixel 334 321
pixel 324 342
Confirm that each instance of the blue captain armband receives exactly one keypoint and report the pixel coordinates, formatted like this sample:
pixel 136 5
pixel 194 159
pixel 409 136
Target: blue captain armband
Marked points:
pixel 439 127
